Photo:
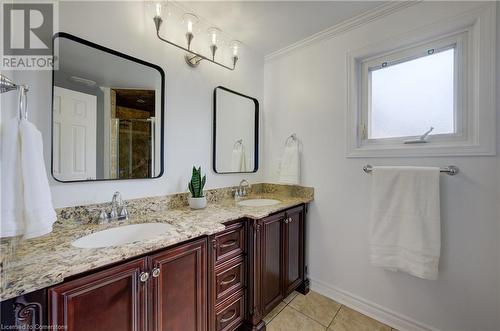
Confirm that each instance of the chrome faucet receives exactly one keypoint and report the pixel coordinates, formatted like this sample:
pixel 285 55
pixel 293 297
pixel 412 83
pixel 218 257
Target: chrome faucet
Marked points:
pixel 118 210
pixel 242 189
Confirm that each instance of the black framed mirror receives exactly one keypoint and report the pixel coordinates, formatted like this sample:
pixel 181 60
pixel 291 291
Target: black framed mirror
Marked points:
pixel 236 132
pixel 107 113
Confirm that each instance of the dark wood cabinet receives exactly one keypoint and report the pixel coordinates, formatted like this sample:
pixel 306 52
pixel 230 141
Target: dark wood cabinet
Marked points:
pixel 112 299
pixel 276 262
pixel 293 240
pixel 271 233
pixel 225 282
pixel 230 242
pixel 231 313
pixel 228 277
pixel 180 288
pixel 164 291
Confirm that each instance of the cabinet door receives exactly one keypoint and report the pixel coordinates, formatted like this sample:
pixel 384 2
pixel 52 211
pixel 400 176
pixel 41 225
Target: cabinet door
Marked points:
pixel 271 261
pixel 180 288
pixel 294 249
pixel 108 300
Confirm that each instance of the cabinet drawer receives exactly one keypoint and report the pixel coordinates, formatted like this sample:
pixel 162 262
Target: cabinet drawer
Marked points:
pixel 230 313
pixel 230 242
pixel 229 277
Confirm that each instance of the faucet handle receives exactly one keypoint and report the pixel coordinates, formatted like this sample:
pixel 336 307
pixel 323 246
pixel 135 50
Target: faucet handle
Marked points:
pixel 114 213
pixel 123 212
pixel 103 217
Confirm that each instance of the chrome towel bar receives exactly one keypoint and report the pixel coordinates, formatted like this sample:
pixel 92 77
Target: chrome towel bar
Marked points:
pixel 449 170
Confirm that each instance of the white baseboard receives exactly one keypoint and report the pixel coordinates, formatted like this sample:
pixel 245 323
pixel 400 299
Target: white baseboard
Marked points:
pixel 382 314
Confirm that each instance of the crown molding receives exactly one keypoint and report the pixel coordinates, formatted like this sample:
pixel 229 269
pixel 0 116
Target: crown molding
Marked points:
pixel 347 25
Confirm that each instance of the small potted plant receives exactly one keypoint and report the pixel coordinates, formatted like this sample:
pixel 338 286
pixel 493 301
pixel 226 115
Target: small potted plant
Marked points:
pixel 197 200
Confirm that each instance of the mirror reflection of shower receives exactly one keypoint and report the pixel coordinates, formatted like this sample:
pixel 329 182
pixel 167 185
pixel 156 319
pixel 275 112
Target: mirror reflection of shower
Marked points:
pixel 133 133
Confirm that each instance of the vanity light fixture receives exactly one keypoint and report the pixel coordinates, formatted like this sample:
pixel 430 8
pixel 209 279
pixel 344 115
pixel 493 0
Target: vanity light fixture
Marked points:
pixel 193 58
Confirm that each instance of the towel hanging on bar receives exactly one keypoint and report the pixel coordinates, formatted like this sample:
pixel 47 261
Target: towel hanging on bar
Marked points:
pixel 449 170
pixel 290 162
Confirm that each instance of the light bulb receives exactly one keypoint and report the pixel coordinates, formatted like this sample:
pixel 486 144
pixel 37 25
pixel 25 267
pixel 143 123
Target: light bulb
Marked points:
pixel 214 34
pixel 190 20
pixel 235 46
pixel 157 8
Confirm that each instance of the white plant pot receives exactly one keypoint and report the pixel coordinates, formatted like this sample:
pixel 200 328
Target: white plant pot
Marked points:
pixel 197 203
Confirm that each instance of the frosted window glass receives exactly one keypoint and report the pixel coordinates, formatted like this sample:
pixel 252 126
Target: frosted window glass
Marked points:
pixel 410 97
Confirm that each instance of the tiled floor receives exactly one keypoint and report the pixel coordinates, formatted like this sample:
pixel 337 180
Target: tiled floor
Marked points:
pixel 315 312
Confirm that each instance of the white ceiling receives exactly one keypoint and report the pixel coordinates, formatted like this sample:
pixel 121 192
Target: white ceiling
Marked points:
pixel 267 26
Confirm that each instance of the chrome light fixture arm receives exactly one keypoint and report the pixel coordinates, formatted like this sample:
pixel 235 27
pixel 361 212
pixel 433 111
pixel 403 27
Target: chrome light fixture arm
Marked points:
pixel 196 58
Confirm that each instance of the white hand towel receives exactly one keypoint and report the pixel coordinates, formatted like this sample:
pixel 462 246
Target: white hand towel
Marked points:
pixel 244 162
pixel 39 213
pixel 290 164
pixel 405 228
pixel 238 158
pixel 12 185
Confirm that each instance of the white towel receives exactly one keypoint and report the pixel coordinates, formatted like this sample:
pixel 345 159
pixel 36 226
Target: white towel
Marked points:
pixel 238 158
pixel 39 213
pixel 29 210
pixel 405 229
pixel 290 164
pixel 12 185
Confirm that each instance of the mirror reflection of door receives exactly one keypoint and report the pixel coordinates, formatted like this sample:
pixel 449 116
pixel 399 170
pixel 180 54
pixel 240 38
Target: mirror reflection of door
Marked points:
pixel 74 134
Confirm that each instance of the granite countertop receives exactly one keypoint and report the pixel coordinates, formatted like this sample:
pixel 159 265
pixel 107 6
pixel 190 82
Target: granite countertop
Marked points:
pixel 45 261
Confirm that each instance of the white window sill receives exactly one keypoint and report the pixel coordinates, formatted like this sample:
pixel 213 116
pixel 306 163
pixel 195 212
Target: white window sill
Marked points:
pixel 428 149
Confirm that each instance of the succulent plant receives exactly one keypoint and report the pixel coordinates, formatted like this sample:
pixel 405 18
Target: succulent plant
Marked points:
pixel 197 183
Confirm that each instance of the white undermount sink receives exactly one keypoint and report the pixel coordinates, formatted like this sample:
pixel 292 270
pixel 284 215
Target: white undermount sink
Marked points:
pixel 258 202
pixel 121 235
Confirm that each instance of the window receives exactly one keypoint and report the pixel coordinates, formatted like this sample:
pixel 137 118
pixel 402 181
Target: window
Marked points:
pixel 401 88
pixel 410 96
pixel 410 91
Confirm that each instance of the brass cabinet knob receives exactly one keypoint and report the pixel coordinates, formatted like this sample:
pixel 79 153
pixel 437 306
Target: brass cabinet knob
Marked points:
pixel 144 276
pixel 156 272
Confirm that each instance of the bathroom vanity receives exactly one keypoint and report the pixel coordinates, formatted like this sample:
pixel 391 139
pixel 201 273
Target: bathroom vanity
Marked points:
pixel 226 279
pixel 165 267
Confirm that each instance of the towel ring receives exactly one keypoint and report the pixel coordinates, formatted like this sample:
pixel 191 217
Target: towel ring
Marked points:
pixel 23 102
pixel 237 143
pixel 291 138
pixel 7 85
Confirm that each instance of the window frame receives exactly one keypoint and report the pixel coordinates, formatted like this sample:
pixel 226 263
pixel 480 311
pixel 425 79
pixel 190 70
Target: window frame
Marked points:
pixel 458 42
pixel 476 123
